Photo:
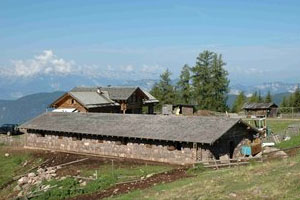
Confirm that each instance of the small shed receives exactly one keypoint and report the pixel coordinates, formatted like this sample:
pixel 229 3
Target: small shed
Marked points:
pixel 261 109
pixel 185 109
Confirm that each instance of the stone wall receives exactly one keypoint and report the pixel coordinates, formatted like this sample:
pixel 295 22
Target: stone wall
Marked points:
pixel 135 149
pixel 17 140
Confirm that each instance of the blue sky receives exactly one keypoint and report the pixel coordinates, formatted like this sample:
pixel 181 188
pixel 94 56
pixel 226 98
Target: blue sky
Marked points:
pixel 138 39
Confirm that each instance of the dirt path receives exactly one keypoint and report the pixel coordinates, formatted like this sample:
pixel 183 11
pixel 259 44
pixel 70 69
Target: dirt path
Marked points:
pixel 122 188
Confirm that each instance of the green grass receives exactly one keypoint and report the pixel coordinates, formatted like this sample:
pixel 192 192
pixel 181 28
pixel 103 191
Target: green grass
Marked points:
pixel 279 126
pixel 270 180
pixel 107 177
pixel 127 172
pixel 8 165
pixel 293 142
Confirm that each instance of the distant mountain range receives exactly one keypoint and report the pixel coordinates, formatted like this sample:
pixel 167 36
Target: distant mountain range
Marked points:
pixel 25 99
pixel 25 108
pixel 12 89
pixel 273 87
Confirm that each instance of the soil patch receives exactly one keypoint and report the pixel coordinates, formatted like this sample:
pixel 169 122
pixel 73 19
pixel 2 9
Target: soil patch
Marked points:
pixel 122 188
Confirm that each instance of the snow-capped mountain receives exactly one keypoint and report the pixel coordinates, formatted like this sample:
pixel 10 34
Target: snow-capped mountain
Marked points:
pixel 273 87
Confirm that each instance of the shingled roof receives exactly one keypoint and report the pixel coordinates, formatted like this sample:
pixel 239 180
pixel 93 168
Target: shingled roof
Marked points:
pixel 158 127
pixel 115 93
pixel 255 106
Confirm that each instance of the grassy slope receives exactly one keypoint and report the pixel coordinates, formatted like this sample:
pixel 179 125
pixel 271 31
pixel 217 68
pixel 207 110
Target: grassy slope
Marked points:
pixel 271 180
pixel 279 126
pixel 71 187
pixel 8 165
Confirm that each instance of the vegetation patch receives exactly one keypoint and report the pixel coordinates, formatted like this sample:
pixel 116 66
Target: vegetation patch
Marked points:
pixel 280 126
pixel 270 180
pixel 10 163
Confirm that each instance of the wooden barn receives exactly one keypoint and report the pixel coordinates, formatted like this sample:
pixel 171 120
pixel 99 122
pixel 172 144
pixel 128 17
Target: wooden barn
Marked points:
pixel 261 109
pixel 169 139
pixel 105 100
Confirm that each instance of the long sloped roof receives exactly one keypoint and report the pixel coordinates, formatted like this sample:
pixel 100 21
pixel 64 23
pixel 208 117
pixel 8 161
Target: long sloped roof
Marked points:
pixel 158 127
pixel 258 105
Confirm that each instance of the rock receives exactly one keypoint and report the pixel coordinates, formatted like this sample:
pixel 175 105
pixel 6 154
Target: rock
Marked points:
pixel 6 155
pixel 224 159
pixel 83 184
pixel 142 178
pixel 149 175
pixel 63 178
pixel 30 175
pixel 116 190
pixel 22 181
pixel 20 194
pixel 58 167
pixel 280 154
pixel 40 171
pixel 17 188
pixel 269 149
pixel 258 155
pixel 232 195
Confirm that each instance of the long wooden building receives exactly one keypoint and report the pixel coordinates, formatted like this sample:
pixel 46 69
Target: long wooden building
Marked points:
pixel 170 139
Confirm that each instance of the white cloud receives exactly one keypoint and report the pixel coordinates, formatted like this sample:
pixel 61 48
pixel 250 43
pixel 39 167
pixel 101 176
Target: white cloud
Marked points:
pixel 128 68
pixel 45 63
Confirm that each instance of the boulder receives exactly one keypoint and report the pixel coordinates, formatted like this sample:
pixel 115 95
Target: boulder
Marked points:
pixel 30 175
pixel 23 181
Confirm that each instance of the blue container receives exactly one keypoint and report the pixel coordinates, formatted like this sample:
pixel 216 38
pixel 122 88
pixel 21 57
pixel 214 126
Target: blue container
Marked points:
pixel 246 150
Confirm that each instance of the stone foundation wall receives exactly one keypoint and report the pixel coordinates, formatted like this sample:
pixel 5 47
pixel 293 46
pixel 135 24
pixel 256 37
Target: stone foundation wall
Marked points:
pixel 160 152
pixel 17 140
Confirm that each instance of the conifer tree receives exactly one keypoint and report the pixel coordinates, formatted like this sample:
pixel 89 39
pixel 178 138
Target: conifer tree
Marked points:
pixel 183 85
pixel 254 98
pixel 163 90
pixel 210 82
pixel 268 98
pixel 239 102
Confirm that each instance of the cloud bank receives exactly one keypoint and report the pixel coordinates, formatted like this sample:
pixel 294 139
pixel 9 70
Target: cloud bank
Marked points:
pixel 47 63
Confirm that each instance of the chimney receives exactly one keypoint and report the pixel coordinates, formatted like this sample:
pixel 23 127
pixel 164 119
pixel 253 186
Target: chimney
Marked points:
pixel 99 91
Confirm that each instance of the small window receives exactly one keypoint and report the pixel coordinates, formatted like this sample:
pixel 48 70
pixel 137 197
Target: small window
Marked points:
pixel 73 101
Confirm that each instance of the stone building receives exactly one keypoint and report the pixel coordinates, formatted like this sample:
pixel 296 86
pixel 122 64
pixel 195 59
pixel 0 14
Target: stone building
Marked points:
pixel 261 109
pixel 105 100
pixel 170 139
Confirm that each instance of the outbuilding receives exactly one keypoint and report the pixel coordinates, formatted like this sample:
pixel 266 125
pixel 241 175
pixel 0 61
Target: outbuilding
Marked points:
pixel 169 139
pixel 261 109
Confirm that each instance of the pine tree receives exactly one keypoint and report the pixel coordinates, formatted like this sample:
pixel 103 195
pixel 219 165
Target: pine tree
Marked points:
pixel 201 79
pixel 163 90
pixel 296 100
pixel 254 98
pixel 239 102
pixel 268 98
pixel 285 102
pixel 219 84
pixel 184 87
pixel 209 81
pixel 259 98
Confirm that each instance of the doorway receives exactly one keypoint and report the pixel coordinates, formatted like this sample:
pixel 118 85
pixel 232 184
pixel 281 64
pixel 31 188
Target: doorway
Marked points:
pixel 231 149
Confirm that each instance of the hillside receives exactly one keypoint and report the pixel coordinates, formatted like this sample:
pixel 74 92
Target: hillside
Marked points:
pixel 277 98
pixel 270 180
pixel 25 108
